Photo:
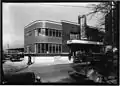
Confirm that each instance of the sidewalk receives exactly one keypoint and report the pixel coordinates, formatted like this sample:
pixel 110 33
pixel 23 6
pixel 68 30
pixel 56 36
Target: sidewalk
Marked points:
pixel 12 67
pixel 49 60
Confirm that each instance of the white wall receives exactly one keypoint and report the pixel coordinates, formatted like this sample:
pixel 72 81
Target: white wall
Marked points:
pixel 49 59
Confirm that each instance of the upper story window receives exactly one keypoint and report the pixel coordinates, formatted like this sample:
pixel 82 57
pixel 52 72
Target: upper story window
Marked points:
pixel 48 32
pixel 59 33
pixel 40 31
pixel 54 33
pixel 74 36
pixel 43 31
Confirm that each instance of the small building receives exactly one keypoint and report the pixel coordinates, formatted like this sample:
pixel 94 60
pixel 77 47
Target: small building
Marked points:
pixel 15 50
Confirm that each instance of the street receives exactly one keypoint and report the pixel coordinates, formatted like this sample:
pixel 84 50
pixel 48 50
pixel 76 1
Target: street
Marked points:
pixel 51 69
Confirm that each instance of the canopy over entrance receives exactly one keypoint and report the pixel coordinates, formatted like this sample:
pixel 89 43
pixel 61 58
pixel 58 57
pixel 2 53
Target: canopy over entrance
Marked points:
pixel 76 45
pixel 83 42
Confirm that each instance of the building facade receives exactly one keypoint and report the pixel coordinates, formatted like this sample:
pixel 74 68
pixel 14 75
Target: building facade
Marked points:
pixel 112 26
pixel 49 37
pixel 43 37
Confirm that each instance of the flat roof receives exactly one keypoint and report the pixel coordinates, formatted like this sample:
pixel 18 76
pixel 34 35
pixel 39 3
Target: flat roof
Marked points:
pixel 15 49
pixel 70 22
pixel 84 42
pixel 54 22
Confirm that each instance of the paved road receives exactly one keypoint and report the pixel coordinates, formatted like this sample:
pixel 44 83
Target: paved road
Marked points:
pixel 52 71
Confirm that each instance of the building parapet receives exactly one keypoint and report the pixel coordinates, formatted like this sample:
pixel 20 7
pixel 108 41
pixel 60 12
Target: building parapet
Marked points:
pixel 70 22
pixel 49 21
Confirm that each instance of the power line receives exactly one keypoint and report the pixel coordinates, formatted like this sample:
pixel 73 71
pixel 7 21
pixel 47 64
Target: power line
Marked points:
pixel 67 5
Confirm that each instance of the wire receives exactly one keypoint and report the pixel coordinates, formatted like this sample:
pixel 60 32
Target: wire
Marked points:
pixel 67 5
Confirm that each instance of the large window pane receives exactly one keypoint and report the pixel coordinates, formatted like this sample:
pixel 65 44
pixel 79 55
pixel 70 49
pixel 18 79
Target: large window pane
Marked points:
pixel 53 48
pixel 43 31
pixel 50 48
pixel 46 32
pixel 54 33
pixel 56 48
pixel 39 48
pixel 42 47
pixel 57 33
pixel 60 34
pixel 74 36
pixel 59 48
pixel 46 48
pixel 39 31
pixel 50 32
pixel 36 32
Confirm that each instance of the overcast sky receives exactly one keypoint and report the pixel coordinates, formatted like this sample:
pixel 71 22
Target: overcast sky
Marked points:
pixel 18 15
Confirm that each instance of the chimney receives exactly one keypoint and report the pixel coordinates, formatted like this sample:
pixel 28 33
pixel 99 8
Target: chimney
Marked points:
pixel 82 22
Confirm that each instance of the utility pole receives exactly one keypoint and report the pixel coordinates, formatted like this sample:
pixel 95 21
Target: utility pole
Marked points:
pixel 114 10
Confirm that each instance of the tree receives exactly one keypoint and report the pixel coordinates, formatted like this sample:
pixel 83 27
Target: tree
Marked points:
pixel 103 9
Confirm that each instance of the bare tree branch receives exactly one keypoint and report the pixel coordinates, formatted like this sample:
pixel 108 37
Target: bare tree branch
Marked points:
pixel 103 8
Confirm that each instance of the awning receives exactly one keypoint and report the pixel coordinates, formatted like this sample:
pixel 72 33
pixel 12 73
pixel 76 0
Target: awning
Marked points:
pixel 84 42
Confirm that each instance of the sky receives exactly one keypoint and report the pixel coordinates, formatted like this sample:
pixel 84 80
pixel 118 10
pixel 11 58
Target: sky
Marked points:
pixel 15 16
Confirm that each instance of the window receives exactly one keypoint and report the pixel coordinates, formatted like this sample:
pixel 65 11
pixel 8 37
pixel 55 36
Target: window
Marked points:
pixel 36 32
pixel 60 33
pixel 49 48
pixel 39 48
pixel 50 32
pixel 54 33
pixel 53 48
pixel 46 32
pixel 57 48
pixel 46 47
pixel 74 36
pixel 57 33
pixel 43 31
pixel 39 31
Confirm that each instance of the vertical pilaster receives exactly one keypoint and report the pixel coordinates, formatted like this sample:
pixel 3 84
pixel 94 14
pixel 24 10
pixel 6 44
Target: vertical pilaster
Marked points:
pixel 35 48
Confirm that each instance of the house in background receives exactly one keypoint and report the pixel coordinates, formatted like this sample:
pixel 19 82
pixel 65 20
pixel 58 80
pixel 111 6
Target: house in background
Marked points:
pixel 15 50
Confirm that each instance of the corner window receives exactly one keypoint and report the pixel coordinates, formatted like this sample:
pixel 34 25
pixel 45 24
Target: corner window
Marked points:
pixel 43 31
